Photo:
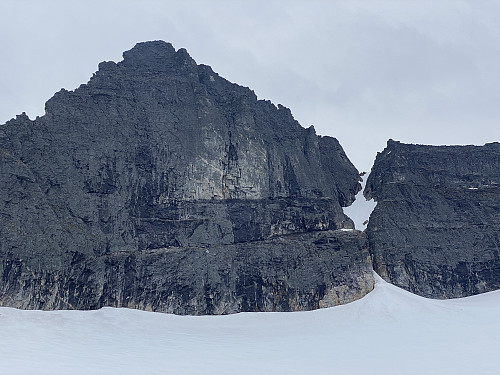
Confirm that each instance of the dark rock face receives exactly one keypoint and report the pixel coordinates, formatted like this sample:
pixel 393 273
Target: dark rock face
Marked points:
pixel 160 185
pixel 436 228
pixel 285 273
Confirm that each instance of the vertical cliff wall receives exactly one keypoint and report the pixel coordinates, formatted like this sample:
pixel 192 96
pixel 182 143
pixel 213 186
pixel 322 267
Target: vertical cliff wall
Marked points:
pixel 156 184
pixel 436 228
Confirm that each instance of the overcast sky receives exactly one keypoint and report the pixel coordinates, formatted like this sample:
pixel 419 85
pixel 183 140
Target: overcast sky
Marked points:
pixel 361 71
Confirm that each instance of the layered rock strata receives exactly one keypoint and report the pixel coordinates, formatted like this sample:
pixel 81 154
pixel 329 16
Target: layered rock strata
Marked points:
pixel 285 273
pixel 160 185
pixel 436 228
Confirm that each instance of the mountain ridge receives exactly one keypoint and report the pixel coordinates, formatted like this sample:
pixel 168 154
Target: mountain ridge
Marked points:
pixel 160 185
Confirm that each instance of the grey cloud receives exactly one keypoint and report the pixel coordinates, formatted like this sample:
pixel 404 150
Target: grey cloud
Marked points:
pixel 362 71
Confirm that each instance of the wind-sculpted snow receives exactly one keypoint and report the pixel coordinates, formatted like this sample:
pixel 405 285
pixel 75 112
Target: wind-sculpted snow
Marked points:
pixel 388 332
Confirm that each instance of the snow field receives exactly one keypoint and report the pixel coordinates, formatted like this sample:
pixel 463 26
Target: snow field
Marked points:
pixel 390 331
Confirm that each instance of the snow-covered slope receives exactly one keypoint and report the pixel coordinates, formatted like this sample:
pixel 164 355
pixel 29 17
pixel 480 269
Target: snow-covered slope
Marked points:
pixel 389 331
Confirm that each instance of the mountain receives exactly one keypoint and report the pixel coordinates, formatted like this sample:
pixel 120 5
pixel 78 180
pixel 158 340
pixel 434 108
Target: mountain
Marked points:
pixel 161 186
pixel 435 230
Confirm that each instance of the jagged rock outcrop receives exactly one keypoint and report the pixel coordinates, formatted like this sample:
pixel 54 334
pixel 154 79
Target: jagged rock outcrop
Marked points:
pixel 160 185
pixel 436 228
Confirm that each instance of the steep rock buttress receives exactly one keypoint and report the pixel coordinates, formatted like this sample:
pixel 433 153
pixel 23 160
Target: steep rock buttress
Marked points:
pixel 436 228
pixel 161 185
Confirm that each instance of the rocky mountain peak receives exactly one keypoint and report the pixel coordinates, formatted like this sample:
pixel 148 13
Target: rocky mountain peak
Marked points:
pixel 155 56
pixel 160 185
